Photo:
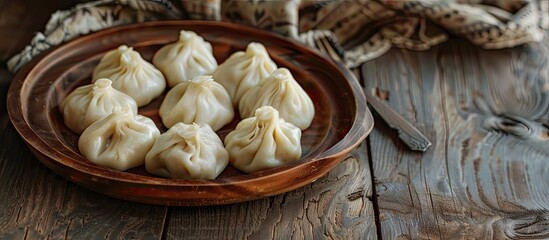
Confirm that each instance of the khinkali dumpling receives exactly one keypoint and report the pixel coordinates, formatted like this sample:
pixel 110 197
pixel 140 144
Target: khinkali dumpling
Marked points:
pixel 263 142
pixel 120 140
pixel 89 103
pixel 200 100
pixel 131 74
pixel 187 151
pixel 282 92
pixel 244 70
pixel 189 57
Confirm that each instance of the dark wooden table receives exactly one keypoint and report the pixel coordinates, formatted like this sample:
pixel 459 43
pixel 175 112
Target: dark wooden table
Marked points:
pixel 486 175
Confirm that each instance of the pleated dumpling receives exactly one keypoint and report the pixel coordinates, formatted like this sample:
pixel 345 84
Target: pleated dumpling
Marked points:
pixel 200 100
pixel 119 141
pixel 263 141
pixel 244 70
pixel 187 151
pixel 131 74
pixel 189 57
pixel 282 92
pixel 90 103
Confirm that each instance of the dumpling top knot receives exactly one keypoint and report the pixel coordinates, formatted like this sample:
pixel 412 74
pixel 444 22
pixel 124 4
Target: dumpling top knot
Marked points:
pixel 203 81
pixel 124 48
pixel 130 57
pixel 255 49
pixel 187 35
pixel 187 131
pixel 282 74
pixel 266 113
pixel 102 84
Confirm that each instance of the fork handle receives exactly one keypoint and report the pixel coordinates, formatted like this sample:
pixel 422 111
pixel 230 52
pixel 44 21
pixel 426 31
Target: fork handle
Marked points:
pixel 412 137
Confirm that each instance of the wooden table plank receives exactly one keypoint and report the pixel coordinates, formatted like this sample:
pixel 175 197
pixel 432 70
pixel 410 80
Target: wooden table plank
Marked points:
pixel 477 181
pixel 336 206
pixel 36 203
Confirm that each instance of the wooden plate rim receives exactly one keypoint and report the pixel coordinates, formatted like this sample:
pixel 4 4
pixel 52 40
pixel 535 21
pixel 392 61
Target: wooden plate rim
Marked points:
pixel 360 128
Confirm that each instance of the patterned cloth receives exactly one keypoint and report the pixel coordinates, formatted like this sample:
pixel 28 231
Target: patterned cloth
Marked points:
pixel 361 29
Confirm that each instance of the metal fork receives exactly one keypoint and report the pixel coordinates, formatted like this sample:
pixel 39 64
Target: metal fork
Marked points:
pixel 409 134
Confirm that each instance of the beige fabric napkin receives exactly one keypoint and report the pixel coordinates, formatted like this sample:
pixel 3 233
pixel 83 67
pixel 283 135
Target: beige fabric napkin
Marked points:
pixel 362 29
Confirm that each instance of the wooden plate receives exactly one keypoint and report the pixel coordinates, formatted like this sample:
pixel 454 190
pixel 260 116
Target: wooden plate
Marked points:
pixel 342 119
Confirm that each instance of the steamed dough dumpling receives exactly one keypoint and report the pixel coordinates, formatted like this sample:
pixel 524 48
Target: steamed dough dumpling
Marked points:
pixel 282 92
pixel 90 103
pixel 244 70
pixel 119 141
pixel 131 74
pixel 189 57
pixel 200 100
pixel 187 151
pixel 263 141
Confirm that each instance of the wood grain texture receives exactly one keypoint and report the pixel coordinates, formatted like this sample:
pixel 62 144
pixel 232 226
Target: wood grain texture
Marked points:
pixel 35 203
pixel 336 206
pixel 487 174
pixel 40 204
pixel 485 177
